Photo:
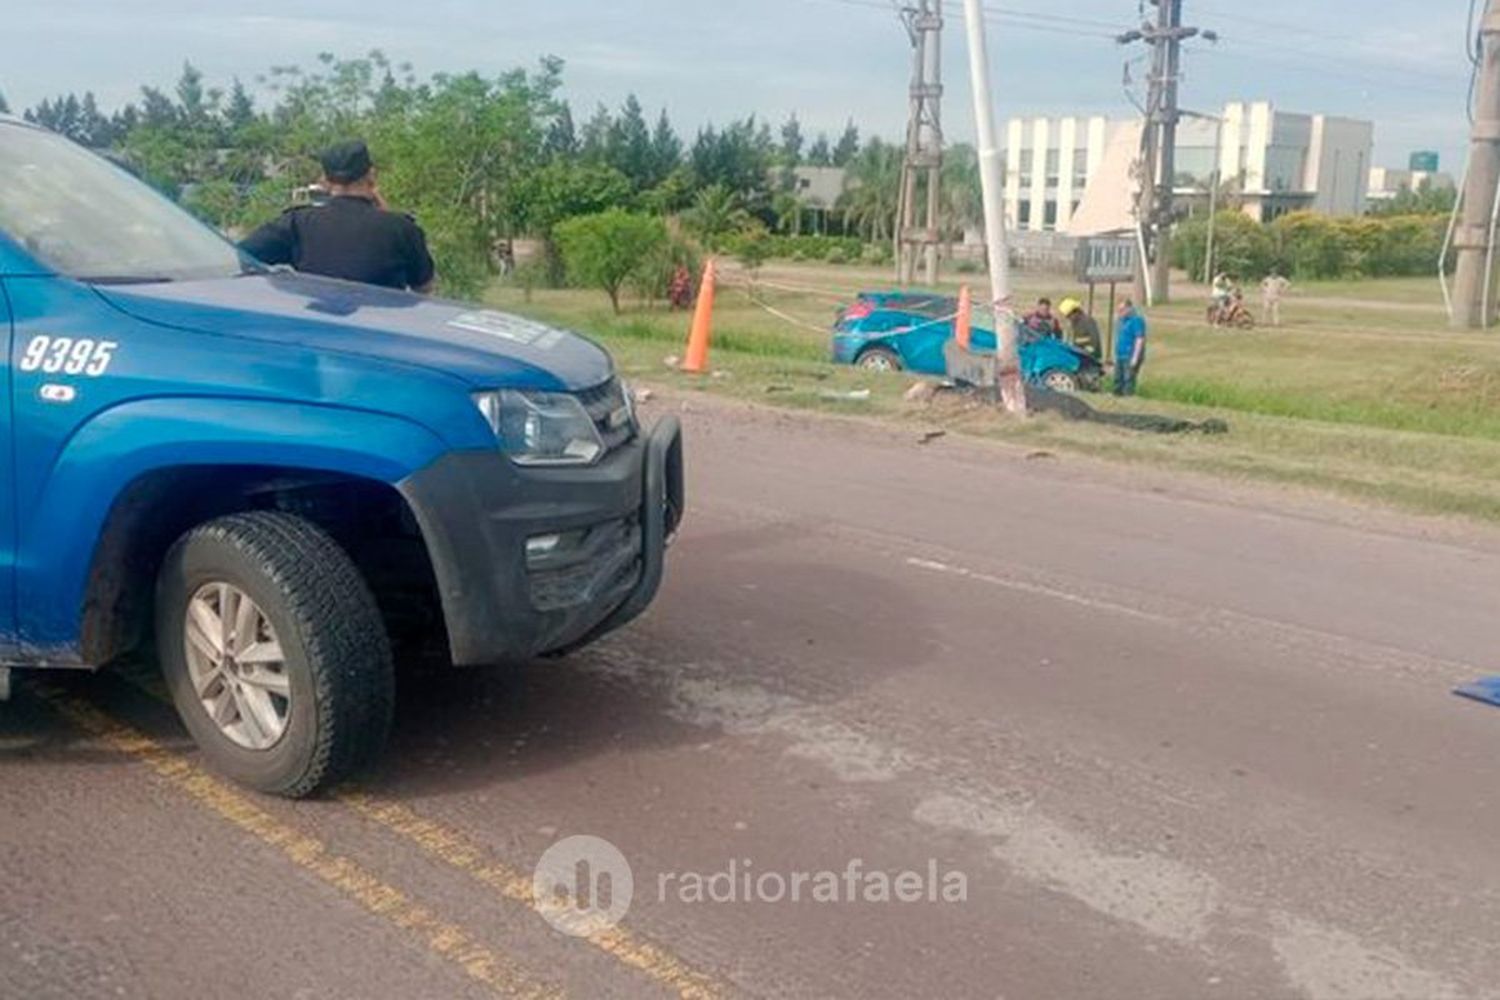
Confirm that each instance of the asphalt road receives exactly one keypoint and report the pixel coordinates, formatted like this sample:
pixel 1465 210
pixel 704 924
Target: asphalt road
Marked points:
pixel 1169 739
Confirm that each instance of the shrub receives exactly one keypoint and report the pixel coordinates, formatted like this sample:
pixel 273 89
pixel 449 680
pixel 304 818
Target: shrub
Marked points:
pixel 610 248
pixel 652 280
pixel 1310 246
pixel 1313 246
pixel 1242 246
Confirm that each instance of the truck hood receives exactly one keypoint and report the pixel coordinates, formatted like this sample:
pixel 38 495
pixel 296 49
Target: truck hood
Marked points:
pixel 481 347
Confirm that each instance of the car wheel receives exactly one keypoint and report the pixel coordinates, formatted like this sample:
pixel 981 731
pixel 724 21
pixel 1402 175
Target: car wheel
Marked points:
pixel 1059 381
pixel 274 651
pixel 880 359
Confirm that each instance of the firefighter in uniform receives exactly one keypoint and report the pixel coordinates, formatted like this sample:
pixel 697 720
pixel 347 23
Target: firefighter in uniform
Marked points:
pixel 1082 329
pixel 351 235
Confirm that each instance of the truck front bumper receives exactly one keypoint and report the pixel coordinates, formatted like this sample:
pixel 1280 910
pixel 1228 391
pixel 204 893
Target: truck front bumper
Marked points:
pixel 533 561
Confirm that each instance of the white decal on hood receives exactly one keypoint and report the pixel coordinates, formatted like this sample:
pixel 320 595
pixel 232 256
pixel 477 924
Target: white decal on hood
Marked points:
pixel 512 328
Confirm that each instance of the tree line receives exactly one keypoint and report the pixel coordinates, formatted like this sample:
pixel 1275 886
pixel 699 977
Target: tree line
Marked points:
pixel 483 160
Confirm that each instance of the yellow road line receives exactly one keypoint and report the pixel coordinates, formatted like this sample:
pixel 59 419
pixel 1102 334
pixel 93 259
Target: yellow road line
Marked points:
pixel 457 851
pixel 447 940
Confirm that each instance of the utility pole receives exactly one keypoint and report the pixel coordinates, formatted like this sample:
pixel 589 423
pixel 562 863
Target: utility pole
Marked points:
pixel 1158 169
pixel 1474 239
pixel 992 182
pixel 918 231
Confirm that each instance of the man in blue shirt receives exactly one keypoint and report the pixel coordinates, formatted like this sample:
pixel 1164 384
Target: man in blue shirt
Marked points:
pixel 1130 348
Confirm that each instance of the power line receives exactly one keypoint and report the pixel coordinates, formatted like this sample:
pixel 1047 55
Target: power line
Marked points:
pixel 1024 20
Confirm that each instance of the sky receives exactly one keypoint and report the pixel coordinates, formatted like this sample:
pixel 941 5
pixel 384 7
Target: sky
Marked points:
pixel 1399 63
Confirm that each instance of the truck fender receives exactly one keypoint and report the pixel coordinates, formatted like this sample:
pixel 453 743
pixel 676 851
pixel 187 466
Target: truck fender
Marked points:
pixel 61 526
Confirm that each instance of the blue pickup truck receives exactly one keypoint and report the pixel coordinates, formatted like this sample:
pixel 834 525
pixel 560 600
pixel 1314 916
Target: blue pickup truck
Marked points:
pixel 271 481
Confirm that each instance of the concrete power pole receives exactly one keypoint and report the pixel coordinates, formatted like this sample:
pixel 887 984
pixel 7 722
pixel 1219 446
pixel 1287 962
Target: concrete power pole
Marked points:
pixel 1155 209
pixel 918 230
pixel 992 183
pixel 1473 305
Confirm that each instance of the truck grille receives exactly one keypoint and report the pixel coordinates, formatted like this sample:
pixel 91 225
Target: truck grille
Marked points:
pixel 611 412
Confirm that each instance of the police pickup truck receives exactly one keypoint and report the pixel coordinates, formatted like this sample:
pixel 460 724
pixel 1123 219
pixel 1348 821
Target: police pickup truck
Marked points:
pixel 272 480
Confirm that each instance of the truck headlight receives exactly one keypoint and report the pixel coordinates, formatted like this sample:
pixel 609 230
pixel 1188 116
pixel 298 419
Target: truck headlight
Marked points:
pixel 541 428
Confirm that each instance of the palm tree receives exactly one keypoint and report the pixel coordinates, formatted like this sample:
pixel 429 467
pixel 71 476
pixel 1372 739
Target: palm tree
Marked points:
pixel 872 192
pixel 788 208
pixel 716 213
pixel 963 196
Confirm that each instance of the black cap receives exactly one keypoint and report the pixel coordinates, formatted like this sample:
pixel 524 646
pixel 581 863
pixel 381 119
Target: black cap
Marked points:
pixel 346 162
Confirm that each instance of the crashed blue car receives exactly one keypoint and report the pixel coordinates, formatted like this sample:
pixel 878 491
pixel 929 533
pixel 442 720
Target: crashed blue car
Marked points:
pixel 900 332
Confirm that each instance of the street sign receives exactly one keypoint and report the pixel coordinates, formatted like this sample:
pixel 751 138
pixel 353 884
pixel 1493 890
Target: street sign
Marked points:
pixel 1106 260
pixel 1424 160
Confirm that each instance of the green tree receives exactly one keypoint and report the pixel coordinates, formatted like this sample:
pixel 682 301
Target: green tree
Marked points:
pixel 717 213
pixel 788 208
pixel 673 194
pixel 1424 200
pixel 1242 246
pixel 666 149
pixel 593 138
pixel 562 137
pixel 628 146
pixel 791 143
pixel 608 249
pixel 962 192
pixel 872 191
pixel 753 249
pixel 819 154
pixel 848 146
pixel 240 113
pixel 736 158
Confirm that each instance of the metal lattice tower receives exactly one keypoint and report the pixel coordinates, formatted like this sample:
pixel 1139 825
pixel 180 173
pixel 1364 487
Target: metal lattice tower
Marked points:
pixel 918 229
pixel 1158 166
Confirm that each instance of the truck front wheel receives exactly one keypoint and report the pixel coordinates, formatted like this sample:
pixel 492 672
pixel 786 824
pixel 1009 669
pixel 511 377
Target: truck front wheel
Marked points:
pixel 274 651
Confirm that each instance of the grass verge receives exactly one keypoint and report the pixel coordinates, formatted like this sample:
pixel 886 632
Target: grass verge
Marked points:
pixel 1411 425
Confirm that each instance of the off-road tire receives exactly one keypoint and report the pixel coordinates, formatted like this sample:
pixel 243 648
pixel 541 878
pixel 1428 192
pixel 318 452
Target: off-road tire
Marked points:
pixel 336 651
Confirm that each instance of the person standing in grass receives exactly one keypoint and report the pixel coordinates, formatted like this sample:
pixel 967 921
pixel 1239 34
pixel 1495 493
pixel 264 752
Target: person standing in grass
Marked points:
pixel 1083 331
pixel 1272 290
pixel 1130 348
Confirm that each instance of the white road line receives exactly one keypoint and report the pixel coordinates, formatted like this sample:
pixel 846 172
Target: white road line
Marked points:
pixel 1041 590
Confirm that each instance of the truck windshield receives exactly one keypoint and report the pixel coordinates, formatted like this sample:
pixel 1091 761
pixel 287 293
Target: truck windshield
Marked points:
pixel 80 215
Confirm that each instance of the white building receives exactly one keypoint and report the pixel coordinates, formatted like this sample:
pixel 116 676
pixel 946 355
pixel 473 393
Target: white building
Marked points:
pixel 1077 175
pixel 1387 182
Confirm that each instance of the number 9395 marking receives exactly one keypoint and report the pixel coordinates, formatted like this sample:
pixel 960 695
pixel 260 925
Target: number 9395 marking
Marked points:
pixel 68 356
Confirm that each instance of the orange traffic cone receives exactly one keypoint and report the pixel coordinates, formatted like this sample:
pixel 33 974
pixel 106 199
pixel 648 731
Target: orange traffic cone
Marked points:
pixel 696 360
pixel 963 324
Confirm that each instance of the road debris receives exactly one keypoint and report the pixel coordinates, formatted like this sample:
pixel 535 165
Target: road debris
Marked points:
pixel 921 392
pixel 930 436
pixel 1486 690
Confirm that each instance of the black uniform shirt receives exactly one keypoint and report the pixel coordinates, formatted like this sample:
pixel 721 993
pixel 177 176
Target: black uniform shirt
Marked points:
pixel 347 237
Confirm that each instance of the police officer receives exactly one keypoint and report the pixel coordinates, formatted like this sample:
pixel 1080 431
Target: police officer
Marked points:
pixel 350 235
